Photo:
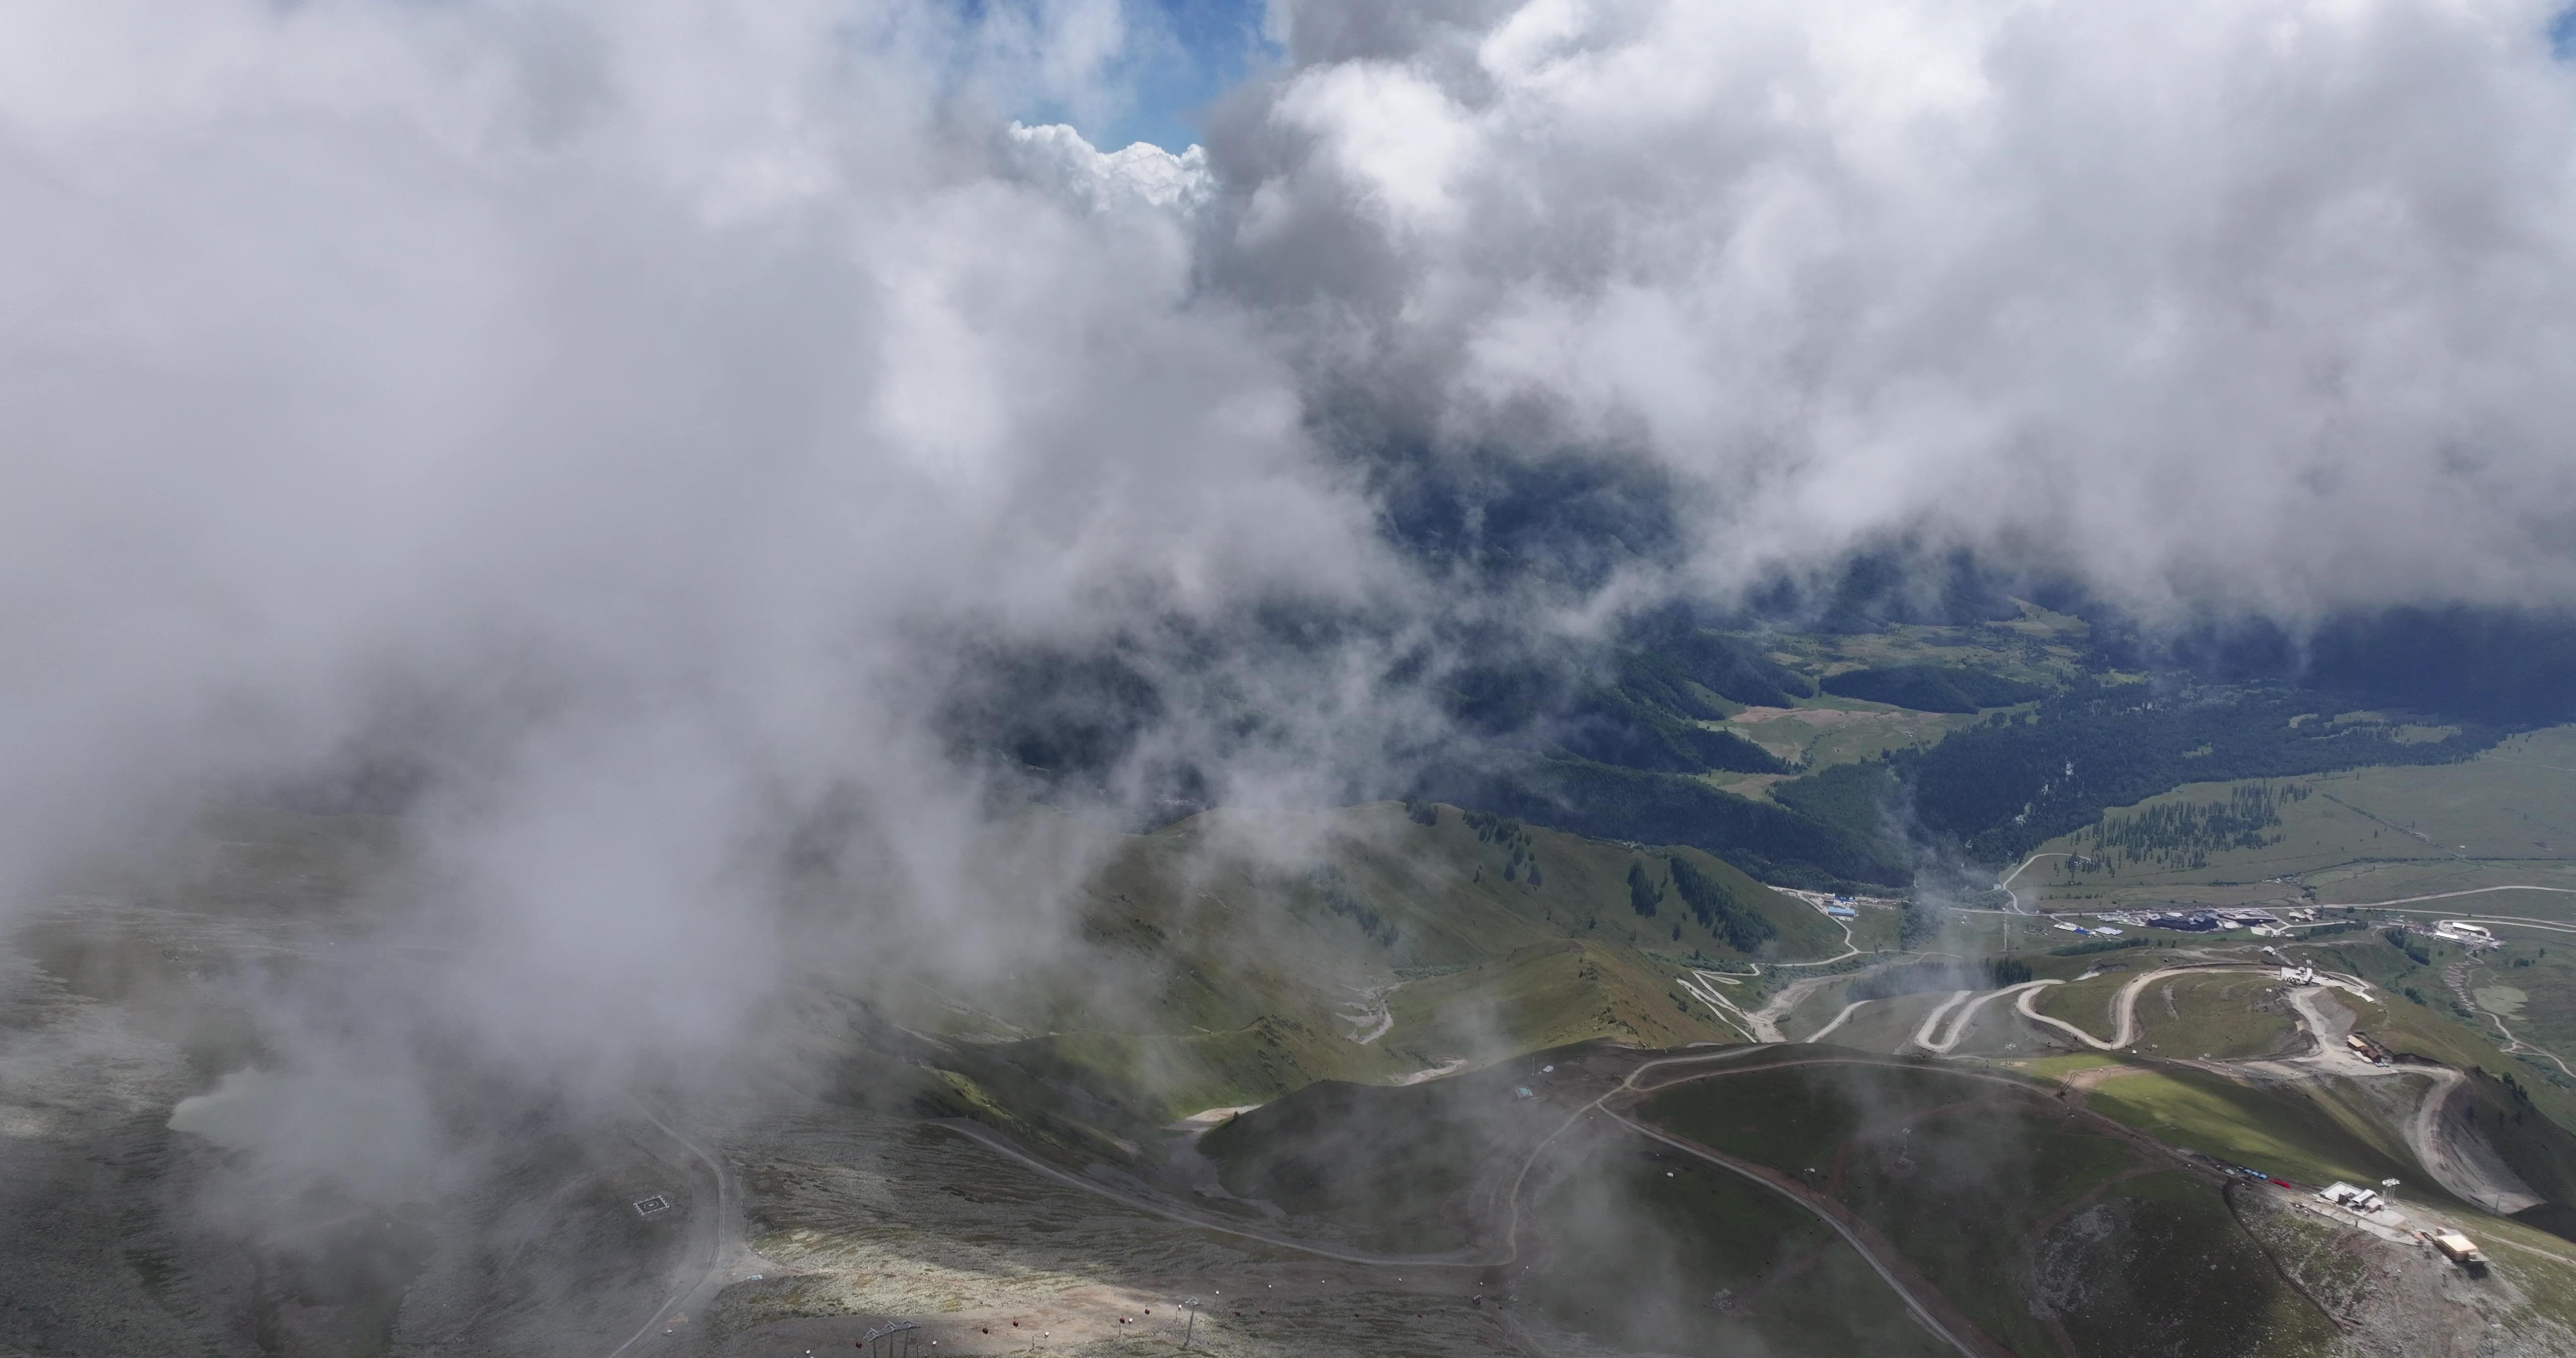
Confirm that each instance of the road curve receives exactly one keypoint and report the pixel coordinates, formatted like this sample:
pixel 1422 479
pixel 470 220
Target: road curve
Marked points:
pixel 2124 1005
pixel 1819 1034
pixel 1512 1222
pixel 1913 1305
pixel 1932 1021
pixel 2005 886
pixel 727 1238
pixel 1965 1015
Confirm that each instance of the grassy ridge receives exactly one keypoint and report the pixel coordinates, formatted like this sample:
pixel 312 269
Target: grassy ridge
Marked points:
pixel 2283 1132
pixel 2377 833
pixel 2087 1003
pixel 1433 935
pixel 2159 1267
pixel 2023 1218
pixel 2224 1015
pixel 1392 1165
pixel 1669 1237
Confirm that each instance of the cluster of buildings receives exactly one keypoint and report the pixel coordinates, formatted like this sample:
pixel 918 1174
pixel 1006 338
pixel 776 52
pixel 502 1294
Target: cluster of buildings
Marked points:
pixel 2198 920
pixel 2366 1203
pixel 2476 937
pixel 1840 907
pixel 2074 928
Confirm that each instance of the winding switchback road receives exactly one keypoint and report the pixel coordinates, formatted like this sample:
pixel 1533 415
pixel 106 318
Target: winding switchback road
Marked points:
pixel 1964 1015
pixel 2124 1006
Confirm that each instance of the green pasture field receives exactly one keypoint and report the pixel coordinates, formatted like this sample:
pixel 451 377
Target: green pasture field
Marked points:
pixel 2216 1016
pixel 1823 730
pixel 1875 928
pixel 1546 995
pixel 2531 986
pixel 2061 1068
pixel 2279 1132
pixel 2504 817
pixel 2039 646
pixel 1826 730
pixel 2087 1003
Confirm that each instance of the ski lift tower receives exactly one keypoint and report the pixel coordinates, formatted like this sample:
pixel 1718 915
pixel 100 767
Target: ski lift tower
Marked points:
pixel 1190 1306
pixel 880 1341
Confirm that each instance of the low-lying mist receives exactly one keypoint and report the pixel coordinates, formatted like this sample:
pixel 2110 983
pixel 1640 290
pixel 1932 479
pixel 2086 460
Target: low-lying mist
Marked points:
pixel 737 521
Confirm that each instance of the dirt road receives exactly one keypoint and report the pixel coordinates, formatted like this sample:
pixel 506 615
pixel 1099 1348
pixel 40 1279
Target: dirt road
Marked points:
pixel 2005 885
pixel 2124 1005
pixel 2456 976
pixel 1870 1255
pixel 2455 1156
pixel 1928 1312
pixel 1963 1015
pixel 726 1250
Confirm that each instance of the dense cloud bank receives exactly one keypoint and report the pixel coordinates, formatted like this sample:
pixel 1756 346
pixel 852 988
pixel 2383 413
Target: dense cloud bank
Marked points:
pixel 611 435
pixel 2255 306
pixel 656 423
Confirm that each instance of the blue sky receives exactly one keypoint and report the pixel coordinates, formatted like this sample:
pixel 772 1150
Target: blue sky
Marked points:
pixel 1181 55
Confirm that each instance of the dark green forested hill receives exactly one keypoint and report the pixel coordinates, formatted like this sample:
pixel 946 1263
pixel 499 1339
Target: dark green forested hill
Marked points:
pixel 2014 782
pixel 1931 688
pixel 1773 842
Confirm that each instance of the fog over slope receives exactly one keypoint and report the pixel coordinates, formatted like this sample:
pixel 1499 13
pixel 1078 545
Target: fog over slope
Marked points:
pixel 647 418
pixel 2259 303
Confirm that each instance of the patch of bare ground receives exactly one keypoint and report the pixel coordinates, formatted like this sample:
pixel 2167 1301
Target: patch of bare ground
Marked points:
pixel 2399 1301
pixel 2026 1255
pixel 2154 1268
pixel 870 1221
pixel 2085 1081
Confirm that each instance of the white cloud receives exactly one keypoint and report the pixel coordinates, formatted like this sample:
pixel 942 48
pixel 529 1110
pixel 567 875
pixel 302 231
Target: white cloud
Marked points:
pixel 2209 302
pixel 1140 174
pixel 636 403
